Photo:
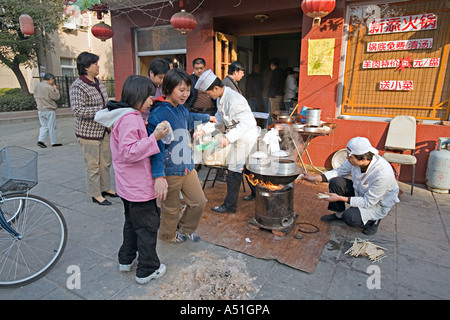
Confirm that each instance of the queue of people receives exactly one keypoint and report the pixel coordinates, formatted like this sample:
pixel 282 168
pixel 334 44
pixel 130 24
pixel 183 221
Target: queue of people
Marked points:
pixel 147 137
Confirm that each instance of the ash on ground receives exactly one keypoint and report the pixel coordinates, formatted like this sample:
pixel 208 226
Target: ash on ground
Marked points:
pixel 210 279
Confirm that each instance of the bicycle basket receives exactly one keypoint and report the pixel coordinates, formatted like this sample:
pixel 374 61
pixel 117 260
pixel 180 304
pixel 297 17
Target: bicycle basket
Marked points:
pixel 18 169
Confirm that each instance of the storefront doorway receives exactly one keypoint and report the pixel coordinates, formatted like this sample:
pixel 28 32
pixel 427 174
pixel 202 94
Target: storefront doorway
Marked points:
pixel 261 49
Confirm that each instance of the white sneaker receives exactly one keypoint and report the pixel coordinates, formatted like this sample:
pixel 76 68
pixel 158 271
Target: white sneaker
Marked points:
pixel 124 267
pixel 193 237
pixel 155 275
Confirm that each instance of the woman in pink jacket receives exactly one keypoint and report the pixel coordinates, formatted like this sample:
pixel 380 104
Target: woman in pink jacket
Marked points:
pixel 131 148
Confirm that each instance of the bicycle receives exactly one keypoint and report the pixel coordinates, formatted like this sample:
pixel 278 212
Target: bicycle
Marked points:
pixel 33 231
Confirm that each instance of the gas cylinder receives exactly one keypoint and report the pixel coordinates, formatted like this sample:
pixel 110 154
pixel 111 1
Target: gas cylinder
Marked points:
pixel 437 177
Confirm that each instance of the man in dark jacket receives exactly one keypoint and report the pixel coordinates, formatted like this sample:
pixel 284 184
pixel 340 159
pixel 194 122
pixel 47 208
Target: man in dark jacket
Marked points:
pixel 198 101
pixel 235 74
pixel 276 86
pixel 255 88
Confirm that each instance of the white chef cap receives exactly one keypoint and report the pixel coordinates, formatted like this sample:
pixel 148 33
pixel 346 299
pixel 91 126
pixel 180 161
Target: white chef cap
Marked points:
pixel 359 146
pixel 205 80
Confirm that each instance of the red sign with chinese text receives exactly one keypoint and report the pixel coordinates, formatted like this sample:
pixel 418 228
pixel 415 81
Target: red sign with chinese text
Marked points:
pixel 398 45
pixel 395 63
pixel 418 22
pixel 395 85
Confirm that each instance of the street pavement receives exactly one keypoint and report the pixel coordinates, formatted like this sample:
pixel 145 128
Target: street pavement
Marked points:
pixel 415 235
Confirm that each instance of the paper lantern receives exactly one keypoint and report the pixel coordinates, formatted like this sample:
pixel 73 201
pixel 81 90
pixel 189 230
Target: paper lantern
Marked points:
pixel 102 31
pixel 317 9
pixel 183 21
pixel 26 24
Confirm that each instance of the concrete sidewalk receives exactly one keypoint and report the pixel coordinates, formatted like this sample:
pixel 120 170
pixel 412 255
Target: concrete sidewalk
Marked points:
pixel 30 115
pixel 415 234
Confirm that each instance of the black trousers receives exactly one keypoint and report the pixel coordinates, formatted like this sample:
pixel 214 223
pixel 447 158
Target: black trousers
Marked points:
pixel 344 187
pixel 140 232
pixel 234 180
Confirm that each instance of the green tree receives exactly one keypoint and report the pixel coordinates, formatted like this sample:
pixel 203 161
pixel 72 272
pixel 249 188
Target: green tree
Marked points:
pixel 17 49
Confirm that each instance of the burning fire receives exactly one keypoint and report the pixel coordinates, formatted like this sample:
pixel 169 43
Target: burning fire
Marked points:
pixel 269 185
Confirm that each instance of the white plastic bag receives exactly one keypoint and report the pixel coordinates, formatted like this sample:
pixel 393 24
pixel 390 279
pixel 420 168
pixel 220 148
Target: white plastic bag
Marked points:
pixel 208 127
pixel 168 138
pixel 273 139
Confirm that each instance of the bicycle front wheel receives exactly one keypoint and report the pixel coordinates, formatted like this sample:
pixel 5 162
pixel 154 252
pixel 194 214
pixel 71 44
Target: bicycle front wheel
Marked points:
pixel 43 237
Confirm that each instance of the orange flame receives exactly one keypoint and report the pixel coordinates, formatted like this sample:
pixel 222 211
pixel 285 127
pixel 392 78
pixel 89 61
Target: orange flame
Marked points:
pixel 268 185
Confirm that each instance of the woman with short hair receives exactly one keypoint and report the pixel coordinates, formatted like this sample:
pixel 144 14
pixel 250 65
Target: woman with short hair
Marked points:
pixel 87 96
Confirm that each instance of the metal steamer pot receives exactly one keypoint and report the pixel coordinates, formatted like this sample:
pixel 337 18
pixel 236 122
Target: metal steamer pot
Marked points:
pixel 313 117
pixel 284 117
pixel 280 171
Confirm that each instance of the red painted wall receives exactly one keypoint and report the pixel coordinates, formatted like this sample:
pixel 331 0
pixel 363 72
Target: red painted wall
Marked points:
pixel 314 91
pixel 200 41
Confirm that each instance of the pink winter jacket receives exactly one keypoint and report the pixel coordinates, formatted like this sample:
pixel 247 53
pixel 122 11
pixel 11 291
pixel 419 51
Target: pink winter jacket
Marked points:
pixel 131 148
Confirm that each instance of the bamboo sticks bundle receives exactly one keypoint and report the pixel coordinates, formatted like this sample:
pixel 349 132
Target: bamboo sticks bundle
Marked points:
pixel 366 248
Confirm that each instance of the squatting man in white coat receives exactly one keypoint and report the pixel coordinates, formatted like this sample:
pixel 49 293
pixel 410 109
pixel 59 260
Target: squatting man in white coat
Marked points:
pixel 233 113
pixel 371 192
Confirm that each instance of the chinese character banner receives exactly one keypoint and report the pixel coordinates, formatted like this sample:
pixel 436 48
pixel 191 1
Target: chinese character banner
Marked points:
pixel 418 22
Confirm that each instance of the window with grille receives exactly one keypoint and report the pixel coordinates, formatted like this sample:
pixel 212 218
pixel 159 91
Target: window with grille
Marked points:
pixel 68 67
pixel 397 64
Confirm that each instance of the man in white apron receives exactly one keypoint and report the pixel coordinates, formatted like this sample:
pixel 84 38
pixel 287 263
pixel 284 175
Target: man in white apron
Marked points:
pixel 235 116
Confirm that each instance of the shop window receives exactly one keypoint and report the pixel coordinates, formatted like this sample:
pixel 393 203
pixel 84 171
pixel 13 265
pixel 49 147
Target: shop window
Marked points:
pixel 160 39
pixel 397 62
pixel 161 42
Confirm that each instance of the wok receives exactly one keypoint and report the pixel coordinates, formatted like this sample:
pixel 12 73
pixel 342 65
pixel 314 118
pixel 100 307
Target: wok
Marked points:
pixel 284 117
pixel 267 175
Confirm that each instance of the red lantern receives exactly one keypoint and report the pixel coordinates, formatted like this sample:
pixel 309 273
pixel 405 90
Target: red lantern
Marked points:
pixel 26 24
pixel 183 21
pixel 317 9
pixel 102 31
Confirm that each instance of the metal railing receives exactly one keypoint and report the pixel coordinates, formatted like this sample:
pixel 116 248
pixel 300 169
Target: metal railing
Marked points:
pixel 64 82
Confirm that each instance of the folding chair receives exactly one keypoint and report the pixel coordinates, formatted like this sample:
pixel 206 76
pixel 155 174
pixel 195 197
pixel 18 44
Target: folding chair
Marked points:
pixel 215 177
pixel 401 137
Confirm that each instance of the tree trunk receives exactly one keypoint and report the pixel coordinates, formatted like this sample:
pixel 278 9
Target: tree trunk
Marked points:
pixel 15 67
pixel 20 78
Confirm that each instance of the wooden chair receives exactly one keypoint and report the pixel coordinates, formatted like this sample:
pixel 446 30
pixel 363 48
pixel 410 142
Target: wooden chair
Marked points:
pixel 401 137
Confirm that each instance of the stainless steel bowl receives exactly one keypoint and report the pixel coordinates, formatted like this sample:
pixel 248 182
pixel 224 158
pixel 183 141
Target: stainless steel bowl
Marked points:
pixel 285 166
pixel 310 129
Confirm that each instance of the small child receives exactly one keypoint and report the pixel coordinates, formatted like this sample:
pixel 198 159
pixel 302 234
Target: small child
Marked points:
pixel 131 148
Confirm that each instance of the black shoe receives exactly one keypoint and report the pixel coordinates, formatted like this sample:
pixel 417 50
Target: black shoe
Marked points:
pixel 249 198
pixel 41 144
pixel 103 203
pixel 112 195
pixel 57 145
pixel 222 209
pixel 329 218
pixel 371 228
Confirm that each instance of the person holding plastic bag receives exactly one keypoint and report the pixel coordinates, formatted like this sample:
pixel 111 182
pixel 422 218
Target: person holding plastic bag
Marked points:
pixel 241 133
pixel 173 165
pixel 131 148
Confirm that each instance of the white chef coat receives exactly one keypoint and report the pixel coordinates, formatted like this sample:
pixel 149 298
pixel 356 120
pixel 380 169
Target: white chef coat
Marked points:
pixel 376 190
pixel 235 114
